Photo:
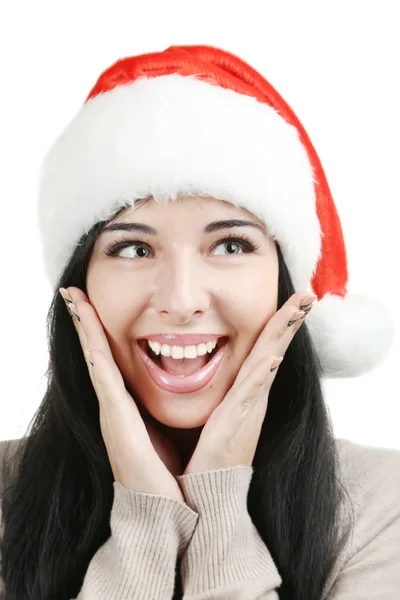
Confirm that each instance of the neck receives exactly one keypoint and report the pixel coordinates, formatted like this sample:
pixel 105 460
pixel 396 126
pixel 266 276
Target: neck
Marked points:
pixel 184 440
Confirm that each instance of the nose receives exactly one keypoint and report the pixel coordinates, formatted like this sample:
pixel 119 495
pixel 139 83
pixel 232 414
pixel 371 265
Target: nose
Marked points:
pixel 182 289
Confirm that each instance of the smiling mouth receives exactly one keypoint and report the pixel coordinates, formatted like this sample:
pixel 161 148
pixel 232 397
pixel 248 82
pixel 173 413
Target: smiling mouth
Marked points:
pixel 156 358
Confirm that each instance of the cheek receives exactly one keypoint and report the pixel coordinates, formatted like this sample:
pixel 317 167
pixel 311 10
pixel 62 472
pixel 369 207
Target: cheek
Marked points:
pixel 253 300
pixel 254 305
pixel 117 311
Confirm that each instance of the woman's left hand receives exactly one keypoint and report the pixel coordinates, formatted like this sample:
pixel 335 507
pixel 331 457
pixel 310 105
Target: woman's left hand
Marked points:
pixel 230 436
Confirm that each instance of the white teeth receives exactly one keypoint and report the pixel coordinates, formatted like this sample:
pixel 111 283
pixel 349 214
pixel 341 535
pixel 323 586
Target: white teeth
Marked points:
pixel 182 351
pixel 210 346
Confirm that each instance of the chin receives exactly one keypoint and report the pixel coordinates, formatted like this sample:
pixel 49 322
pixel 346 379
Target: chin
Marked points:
pixel 180 412
pixel 182 423
pixel 178 417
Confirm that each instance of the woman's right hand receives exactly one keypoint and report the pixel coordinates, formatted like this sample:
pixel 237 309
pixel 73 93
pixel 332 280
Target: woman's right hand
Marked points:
pixel 141 458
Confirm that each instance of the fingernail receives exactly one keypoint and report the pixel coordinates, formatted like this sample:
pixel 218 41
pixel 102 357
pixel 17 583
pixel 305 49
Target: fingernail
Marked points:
pixel 276 364
pixel 73 310
pixel 66 296
pixel 296 317
pixel 88 355
pixel 307 302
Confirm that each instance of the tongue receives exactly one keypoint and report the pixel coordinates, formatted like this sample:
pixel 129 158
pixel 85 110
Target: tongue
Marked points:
pixel 183 366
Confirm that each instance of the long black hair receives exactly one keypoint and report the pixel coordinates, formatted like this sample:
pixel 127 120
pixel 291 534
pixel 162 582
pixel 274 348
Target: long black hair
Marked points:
pixel 58 489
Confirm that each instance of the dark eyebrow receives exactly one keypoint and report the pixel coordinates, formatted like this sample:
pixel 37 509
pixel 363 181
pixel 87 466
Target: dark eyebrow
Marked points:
pixel 229 223
pixel 210 228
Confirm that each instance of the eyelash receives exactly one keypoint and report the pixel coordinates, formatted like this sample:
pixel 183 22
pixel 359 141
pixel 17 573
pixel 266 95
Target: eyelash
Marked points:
pixel 244 241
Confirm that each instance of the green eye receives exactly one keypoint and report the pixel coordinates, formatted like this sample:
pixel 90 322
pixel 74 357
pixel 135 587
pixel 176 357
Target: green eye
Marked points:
pixel 243 241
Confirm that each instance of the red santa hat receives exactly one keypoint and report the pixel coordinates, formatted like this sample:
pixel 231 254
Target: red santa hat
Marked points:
pixel 199 120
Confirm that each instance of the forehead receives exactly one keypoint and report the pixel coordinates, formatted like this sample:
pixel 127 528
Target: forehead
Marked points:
pixel 196 206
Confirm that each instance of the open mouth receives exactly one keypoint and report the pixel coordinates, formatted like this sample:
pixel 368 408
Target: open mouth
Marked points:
pixel 184 375
pixel 156 358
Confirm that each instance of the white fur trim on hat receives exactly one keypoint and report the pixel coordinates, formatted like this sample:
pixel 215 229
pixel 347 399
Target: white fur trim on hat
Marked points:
pixel 174 134
pixel 352 335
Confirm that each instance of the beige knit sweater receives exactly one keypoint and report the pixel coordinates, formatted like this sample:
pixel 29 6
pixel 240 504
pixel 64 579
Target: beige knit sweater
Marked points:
pixel 217 551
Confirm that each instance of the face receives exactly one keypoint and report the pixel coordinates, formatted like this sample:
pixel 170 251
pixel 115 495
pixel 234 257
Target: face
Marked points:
pixel 183 280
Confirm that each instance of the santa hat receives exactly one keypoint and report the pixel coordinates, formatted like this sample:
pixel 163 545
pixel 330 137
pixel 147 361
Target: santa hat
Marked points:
pixel 199 120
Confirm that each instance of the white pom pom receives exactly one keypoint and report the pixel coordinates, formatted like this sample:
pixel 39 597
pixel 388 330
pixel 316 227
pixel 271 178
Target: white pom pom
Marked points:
pixel 352 335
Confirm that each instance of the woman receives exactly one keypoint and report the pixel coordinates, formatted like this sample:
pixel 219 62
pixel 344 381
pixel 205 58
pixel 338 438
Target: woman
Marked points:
pixel 164 466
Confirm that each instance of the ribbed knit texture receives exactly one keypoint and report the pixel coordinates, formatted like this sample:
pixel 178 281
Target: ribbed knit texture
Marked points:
pixel 227 555
pixel 148 533
pixel 219 552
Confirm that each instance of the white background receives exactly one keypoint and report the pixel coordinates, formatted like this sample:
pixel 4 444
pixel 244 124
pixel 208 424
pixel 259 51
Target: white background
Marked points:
pixel 337 65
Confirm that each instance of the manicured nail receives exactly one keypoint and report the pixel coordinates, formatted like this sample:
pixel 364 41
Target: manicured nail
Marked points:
pixel 307 302
pixel 73 310
pixel 64 294
pixel 88 355
pixel 296 317
pixel 276 364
